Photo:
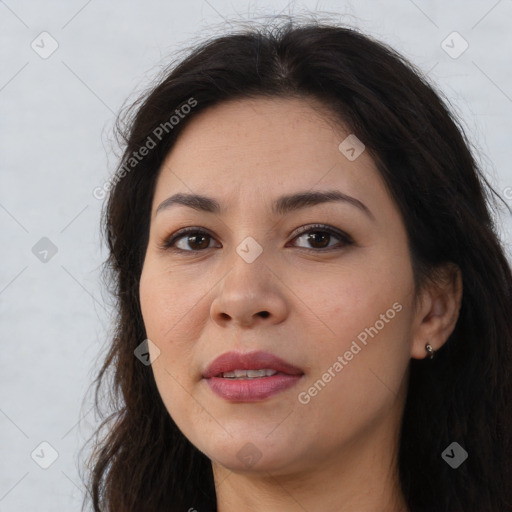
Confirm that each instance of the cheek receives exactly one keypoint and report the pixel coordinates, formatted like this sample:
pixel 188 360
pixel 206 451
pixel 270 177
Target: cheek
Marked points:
pixel 164 307
pixel 166 304
pixel 349 298
pixel 359 364
pixel 362 314
pixel 175 311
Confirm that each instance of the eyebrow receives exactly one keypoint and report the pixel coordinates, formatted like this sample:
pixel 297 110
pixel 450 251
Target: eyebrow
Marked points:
pixel 282 205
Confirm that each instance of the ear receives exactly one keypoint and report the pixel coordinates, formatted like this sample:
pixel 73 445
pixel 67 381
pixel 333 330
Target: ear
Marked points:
pixel 438 310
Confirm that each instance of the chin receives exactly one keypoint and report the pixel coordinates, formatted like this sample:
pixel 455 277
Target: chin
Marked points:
pixel 250 460
pixel 253 454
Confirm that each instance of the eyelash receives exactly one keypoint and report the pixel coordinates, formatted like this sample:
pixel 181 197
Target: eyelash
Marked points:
pixel 169 243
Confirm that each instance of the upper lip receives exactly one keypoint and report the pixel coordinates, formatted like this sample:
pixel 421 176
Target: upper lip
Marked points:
pixel 258 360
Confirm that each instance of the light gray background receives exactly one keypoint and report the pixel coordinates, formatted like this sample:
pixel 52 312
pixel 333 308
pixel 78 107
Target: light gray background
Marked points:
pixel 56 115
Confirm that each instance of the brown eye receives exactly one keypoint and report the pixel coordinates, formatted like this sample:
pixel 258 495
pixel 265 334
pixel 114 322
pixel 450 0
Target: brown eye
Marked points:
pixel 197 241
pixel 194 240
pixel 319 239
pixel 320 236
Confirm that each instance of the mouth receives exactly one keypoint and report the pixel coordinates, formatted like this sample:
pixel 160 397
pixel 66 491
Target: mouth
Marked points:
pixel 251 376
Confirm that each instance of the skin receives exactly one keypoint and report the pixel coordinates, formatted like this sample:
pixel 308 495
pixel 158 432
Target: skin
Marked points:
pixel 338 451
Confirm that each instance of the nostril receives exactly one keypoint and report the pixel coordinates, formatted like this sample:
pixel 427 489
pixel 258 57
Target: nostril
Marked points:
pixel 264 314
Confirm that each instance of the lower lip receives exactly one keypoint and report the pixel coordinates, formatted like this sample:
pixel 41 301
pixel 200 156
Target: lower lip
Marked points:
pixel 251 390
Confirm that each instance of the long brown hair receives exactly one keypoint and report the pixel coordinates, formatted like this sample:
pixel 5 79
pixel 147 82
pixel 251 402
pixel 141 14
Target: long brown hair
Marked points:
pixel 141 460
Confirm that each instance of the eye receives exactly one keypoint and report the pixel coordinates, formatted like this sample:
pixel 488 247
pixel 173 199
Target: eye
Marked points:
pixel 319 235
pixel 195 240
pixel 194 237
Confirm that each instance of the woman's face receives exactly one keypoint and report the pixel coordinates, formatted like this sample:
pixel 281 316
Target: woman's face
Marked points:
pixel 338 307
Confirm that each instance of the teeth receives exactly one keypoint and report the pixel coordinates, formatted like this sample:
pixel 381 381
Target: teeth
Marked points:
pixel 248 374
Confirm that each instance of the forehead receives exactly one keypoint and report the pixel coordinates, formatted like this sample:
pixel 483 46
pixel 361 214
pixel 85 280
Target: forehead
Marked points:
pixel 265 147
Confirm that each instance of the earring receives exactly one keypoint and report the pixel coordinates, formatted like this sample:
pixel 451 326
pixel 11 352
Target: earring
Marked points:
pixel 430 351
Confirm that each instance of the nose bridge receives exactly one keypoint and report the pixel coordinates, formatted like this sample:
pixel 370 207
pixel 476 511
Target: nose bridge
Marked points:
pixel 248 264
pixel 249 225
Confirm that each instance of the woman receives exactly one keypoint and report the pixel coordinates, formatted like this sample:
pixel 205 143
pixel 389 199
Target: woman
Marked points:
pixel 313 303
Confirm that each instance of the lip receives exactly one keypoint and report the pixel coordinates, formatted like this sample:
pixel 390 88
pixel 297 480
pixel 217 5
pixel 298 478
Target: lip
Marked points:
pixel 230 361
pixel 250 390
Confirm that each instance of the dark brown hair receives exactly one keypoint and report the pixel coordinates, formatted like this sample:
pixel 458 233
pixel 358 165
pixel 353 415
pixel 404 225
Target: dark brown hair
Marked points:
pixel 142 461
